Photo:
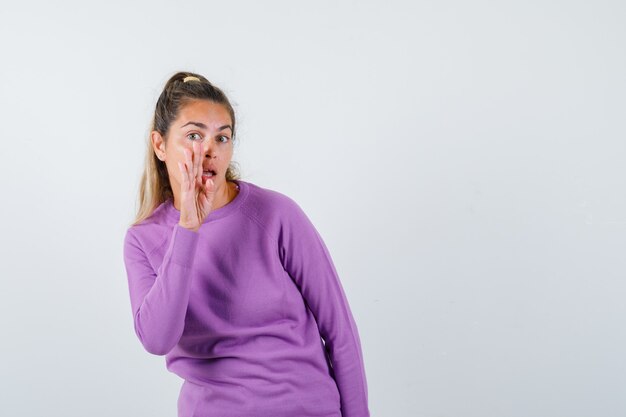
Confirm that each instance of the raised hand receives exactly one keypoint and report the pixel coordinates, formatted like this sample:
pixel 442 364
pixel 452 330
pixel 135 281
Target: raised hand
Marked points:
pixel 196 199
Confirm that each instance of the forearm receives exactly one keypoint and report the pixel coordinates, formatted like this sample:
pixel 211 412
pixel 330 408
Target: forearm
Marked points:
pixel 160 318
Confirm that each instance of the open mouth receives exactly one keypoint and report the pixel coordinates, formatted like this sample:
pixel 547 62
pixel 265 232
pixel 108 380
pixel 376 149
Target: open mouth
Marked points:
pixel 208 174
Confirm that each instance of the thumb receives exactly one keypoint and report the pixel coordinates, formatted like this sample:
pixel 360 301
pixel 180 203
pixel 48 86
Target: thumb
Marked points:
pixel 208 187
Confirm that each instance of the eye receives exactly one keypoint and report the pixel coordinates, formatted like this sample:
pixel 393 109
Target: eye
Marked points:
pixel 194 134
pixel 226 139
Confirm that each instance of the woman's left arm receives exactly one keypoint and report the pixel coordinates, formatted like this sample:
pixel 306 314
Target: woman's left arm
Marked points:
pixel 307 260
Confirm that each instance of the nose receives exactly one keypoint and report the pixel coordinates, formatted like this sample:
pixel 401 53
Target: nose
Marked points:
pixel 207 148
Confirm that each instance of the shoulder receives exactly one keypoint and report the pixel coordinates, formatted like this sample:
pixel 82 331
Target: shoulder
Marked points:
pixel 273 210
pixel 150 232
pixel 265 203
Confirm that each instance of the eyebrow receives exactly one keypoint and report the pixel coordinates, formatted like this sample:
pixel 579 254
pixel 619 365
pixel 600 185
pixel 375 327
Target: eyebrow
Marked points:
pixel 203 126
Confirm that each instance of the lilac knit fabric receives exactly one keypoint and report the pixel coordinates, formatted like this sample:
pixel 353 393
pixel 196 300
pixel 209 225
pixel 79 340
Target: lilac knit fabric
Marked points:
pixel 239 310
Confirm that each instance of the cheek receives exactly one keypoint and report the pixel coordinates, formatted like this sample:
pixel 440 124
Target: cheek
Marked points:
pixel 173 169
pixel 176 156
pixel 226 152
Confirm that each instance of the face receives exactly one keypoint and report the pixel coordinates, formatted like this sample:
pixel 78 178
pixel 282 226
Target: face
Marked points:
pixel 207 123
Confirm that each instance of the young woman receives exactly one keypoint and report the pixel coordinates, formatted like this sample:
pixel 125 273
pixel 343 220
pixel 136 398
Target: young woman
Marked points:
pixel 231 281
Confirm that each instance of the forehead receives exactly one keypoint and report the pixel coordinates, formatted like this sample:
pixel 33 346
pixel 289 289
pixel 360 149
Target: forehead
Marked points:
pixel 204 111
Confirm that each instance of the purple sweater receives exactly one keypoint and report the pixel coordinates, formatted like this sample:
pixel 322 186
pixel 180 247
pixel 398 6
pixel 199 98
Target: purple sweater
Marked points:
pixel 238 309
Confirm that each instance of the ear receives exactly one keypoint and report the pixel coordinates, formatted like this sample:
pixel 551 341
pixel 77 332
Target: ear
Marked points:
pixel 158 144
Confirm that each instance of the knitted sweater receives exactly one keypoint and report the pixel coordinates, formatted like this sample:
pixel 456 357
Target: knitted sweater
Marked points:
pixel 248 310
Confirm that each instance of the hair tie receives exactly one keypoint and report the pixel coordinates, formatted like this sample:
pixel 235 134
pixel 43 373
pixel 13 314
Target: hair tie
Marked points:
pixel 190 78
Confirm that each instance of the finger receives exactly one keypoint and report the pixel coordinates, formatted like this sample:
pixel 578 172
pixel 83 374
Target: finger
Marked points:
pixel 183 175
pixel 208 186
pixel 207 191
pixel 198 162
pixel 188 165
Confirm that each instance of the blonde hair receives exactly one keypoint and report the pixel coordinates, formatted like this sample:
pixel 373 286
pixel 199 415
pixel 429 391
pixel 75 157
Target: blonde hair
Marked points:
pixel 154 187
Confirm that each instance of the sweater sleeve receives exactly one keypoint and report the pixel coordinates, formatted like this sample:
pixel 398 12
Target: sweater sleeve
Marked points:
pixel 306 258
pixel 159 298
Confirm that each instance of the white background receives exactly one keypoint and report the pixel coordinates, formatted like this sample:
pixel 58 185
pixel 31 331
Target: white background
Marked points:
pixel 464 162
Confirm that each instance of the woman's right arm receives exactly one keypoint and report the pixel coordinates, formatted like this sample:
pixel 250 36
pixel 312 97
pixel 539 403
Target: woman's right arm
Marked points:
pixel 159 299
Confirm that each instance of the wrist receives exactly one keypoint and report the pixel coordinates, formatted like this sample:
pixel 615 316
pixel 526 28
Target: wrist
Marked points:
pixel 188 226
